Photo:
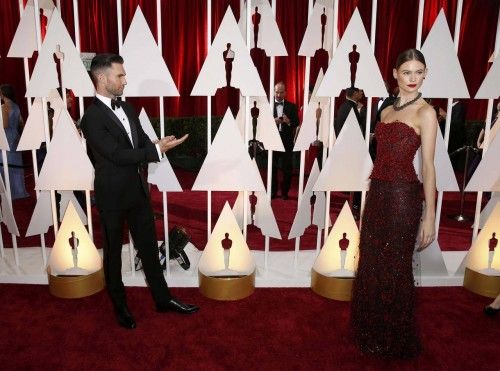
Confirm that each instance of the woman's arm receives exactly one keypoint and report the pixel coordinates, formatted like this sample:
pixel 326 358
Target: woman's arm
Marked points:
pixel 428 131
pixel 5 116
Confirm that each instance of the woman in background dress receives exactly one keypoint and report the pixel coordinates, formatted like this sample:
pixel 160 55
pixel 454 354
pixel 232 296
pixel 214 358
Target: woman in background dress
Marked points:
pixel 383 304
pixel 13 124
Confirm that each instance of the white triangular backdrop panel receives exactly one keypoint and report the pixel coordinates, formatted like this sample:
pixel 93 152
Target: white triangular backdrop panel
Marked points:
pixel 269 36
pixel 66 156
pixel 227 166
pixel 74 74
pixel 244 75
pixel 445 78
pixel 312 36
pixel 139 47
pixel 487 175
pixel 349 164
pixel 338 74
pixel 267 132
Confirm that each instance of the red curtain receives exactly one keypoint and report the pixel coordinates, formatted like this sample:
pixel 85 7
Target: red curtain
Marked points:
pixel 184 41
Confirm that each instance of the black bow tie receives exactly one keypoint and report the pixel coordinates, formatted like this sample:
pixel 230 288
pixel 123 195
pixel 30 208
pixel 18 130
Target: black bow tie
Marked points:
pixel 279 103
pixel 116 103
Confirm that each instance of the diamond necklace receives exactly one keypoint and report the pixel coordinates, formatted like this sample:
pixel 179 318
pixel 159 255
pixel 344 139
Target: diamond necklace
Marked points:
pixel 396 106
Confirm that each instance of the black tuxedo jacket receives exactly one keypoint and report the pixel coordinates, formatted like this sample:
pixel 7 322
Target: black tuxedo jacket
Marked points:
pixel 344 110
pixel 287 132
pixel 118 183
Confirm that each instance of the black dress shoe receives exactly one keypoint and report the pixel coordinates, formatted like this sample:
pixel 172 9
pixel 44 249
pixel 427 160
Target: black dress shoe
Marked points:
pixel 125 318
pixel 174 305
pixel 490 311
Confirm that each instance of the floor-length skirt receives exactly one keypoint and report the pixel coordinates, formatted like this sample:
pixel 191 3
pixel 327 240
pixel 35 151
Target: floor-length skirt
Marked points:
pixel 383 303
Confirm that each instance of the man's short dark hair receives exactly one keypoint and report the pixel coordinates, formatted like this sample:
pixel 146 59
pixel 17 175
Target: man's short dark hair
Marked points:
pixel 350 91
pixel 103 61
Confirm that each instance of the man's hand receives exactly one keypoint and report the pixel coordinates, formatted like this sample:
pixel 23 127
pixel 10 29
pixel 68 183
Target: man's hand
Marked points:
pixel 286 120
pixel 278 120
pixel 169 142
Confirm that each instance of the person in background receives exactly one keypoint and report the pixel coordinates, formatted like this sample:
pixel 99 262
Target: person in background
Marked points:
pixel 13 125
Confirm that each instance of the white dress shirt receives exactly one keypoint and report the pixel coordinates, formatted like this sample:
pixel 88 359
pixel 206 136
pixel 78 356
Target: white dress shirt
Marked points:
pixel 122 116
pixel 279 110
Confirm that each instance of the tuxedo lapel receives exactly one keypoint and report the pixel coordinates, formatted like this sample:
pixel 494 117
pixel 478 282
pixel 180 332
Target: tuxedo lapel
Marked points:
pixel 133 127
pixel 109 112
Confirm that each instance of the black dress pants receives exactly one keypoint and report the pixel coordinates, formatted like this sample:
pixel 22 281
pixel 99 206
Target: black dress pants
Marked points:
pixel 285 160
pixel 140 220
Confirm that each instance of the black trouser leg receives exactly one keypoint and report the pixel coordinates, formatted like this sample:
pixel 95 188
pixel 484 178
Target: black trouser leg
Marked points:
pixel 274 181
pixel 286 164
pixel 112 231
pixel 142 228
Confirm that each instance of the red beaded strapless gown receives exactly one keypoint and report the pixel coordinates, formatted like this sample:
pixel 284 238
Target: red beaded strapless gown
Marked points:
pixel 383 302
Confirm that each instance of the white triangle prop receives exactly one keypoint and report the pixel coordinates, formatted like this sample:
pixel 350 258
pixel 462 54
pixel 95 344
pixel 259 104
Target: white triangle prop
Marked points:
pixel 307 133
pixel 330 261
pixel 66 166
pixel 302 218
pixel 349 165
pixel 238 210
pixel 445 78
pixel 162 174
pixel 267 132
pixel 147 126
pixel 7 217
pixel 74 74
pixel 490 88
pixel 338 75
pixel 4 144
pixel 445 176
pixel 487 175
pixel 264 215
pixel 33 133
pixel 312 37
pixel 63 259
pixel 66 197
pixel 477 258
pixel 244 75
pixel 24 42
pixel 214 260
pixel 431 260
pixel 153 79
pixel 43 4
pixel 41 219
pixel 55 100
pixel 268 36
pixel 228 166
pixel 488 209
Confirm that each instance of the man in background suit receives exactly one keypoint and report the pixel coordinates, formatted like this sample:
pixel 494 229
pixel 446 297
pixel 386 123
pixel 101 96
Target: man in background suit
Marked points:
pixel 352 95
pixel 119 147
pixel 287 120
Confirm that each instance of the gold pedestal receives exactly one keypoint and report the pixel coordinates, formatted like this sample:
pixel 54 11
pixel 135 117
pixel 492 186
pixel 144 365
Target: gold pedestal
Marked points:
pixel 337 288
pixel 226 287
pixel 481 284
pixel 74 287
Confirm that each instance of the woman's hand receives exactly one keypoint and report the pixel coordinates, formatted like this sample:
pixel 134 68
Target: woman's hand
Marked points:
pixel 427 233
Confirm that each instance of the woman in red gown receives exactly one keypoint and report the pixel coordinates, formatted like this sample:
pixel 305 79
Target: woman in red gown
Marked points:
pixel 383 303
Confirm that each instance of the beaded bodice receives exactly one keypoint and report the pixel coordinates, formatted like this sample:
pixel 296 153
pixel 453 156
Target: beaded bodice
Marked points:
pixel 397 144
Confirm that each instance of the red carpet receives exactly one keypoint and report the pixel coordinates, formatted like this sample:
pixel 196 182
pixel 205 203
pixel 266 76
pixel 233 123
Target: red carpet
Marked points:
pixel 188 209
pixel 274 329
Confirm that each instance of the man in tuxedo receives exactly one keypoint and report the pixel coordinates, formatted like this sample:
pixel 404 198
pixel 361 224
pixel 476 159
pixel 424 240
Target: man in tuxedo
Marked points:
pixel 287 120
pixel 353 95
pixel 119 147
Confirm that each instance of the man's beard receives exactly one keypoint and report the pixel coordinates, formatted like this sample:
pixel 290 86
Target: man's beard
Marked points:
pixel 115 92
